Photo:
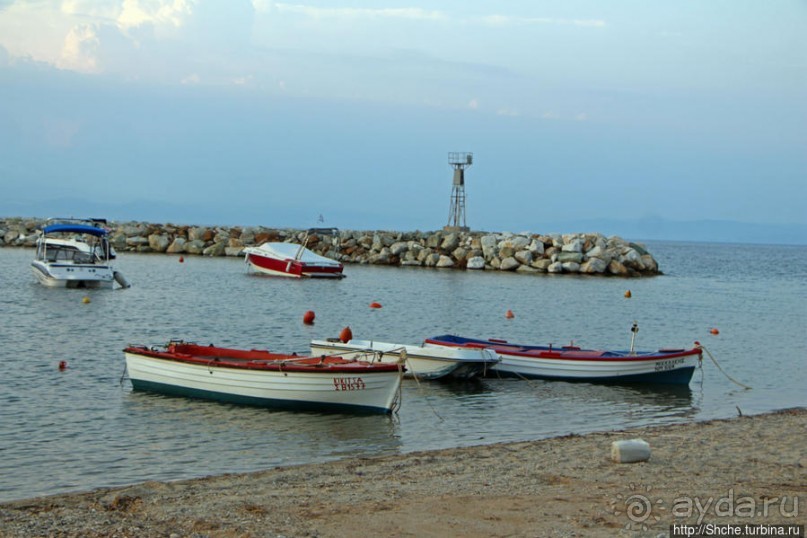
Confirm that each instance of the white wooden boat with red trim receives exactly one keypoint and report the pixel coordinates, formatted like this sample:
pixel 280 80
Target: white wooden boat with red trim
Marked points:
pixel 422 362
pixel 571 363
pixel 293 260
pixel 261 378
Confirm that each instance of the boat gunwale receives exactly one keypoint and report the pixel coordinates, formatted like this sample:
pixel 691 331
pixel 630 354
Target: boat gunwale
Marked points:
pixel 273 362
pixel 544 352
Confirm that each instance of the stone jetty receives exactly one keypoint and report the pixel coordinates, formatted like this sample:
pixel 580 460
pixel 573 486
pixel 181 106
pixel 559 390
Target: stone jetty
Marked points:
pixel 526 253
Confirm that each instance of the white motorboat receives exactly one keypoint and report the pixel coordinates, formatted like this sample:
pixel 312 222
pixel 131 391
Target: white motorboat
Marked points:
pixel 75 253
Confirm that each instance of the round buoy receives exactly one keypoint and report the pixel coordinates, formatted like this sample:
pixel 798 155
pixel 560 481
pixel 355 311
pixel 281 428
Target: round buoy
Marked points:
pixel 375 305
pixel 85 300
pixel 346 335
pixel 62 365
pixel 509 314
pixel 182 259
pixel 308 317
pixel 627 294
pixel 714 331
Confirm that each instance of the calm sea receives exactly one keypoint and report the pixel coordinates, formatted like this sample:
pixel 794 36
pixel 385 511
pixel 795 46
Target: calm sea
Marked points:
pixel 84 428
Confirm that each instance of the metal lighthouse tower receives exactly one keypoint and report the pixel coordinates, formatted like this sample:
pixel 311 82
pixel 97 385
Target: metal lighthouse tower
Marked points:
pixel 458 160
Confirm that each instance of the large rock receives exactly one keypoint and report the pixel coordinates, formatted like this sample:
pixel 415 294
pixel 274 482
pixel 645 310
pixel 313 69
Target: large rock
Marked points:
pixel 489 246
pixel 616 268
pixel 431 260
pixel 594 266
pixel 434 240
pixel 158 242
pixel 396 249
pixel 216 249
pixel 195 246
pixel 524 257
pixel 537 248
pixel 450 242
pixel 574 245
pixel 541 265
pixel 137 241
pixel 570 257
pixel 475 263
pixel 570 267
pixel 509 264
pixel 177 246
pixel 516 242
pixel 444 261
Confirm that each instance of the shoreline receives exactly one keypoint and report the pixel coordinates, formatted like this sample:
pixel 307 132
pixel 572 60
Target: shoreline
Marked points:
pixel 562 486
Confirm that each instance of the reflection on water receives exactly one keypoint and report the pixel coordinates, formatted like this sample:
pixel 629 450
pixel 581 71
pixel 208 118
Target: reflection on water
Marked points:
pixel 79 428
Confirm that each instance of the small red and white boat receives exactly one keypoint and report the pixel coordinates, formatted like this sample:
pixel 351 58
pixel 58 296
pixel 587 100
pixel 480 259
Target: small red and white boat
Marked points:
pixel 260 378
pixel 293 260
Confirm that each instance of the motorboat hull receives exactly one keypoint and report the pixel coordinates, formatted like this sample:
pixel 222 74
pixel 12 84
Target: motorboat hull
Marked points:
pixel 260 383
pixel 672 366
pixel 422 362
pixel 90 276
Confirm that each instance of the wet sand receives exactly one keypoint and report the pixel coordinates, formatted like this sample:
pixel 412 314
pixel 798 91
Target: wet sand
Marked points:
pixel 720 471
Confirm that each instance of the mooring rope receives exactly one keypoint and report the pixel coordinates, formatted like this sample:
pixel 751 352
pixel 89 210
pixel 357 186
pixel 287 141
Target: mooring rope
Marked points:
pixel 723 371
pixel 417 381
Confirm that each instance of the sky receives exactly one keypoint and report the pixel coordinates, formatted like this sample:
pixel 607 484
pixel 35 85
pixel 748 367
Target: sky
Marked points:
pixel 630 115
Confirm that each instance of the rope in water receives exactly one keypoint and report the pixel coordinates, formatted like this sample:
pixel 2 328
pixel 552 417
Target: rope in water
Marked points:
pixel 723 371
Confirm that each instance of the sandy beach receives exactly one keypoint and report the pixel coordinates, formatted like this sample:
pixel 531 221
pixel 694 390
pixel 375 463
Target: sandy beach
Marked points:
pixel 745 470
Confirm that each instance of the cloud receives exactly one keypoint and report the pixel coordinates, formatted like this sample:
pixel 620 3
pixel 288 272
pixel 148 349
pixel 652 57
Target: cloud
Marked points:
pixel 191 79
pixel 80 49
pixel 507 111
pixel 412 13
pixel 506 20
pixel 172 13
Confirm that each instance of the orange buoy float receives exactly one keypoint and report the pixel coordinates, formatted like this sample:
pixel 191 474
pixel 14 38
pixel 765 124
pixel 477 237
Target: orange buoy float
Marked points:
pixel 346 335
pixel 308 317
pixel 628 294
pixel 182 259
pixel 375 305
pixel 62 365
pixel 509 314
pixel 714 331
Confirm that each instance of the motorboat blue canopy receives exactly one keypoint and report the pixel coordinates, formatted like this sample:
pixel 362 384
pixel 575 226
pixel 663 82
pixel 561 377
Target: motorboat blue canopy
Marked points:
pixel 75 228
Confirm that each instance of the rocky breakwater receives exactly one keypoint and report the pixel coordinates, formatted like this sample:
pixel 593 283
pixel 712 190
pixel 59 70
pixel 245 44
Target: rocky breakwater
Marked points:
pixel 578 253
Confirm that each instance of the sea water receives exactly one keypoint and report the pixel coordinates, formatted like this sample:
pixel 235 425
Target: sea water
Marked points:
pixel 83 427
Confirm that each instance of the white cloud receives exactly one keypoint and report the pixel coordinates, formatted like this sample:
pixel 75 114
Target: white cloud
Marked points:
pixel 506 20
pixel 80 49
pixel 507 111
pixel 156 12
pixel 581 116
pixel 191 79
pixel 352 13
